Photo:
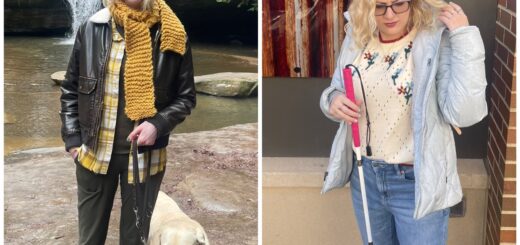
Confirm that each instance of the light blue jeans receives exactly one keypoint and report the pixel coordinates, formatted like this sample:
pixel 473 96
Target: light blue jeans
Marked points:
pixel 391 202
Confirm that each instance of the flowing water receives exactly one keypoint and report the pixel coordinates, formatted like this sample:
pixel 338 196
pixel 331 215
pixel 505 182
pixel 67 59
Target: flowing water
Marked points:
pixel 81 11
pixel 32 100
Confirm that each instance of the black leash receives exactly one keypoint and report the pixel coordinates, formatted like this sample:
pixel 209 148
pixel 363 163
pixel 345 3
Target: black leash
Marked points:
pixel 141 209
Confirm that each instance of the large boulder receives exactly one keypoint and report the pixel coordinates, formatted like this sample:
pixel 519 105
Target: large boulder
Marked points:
pixel 228 84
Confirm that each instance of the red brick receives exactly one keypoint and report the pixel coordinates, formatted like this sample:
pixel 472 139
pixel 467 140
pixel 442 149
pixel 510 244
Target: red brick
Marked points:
pixel 513 84
pixel 509 204
pixel 502 3
pixel 512 104
pixel 511 134
pixel 502 144
pixel 497 79
pixel 514 68
pixel 511 5
pixel 508 236
pixel 496 132
pixel 513 24
pixel 511 154
pixel 496 208
pixel 512 119
pixel 507 77
pixel 497 185
pixel 509 187
pixel 509 41
pixel 505 19
pixel 507 99
pixel 499 56
pixel 494 147
pixel 502 54
pixel 504 113
pixel 493 205
pixel 498 96
pixel 498 171
pixel 491 157
pixel 508 220
pixel 490 237
pixel 511 62
pixel 499 32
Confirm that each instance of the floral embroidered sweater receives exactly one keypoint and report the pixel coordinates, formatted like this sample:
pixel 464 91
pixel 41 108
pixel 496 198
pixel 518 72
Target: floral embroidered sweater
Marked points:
pixel 386 69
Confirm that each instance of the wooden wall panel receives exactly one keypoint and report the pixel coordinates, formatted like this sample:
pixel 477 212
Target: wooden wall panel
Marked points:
pixel 302 38
pixel 267 44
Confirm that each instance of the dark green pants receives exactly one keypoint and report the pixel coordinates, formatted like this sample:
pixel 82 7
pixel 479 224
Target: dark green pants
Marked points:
pixel 96 196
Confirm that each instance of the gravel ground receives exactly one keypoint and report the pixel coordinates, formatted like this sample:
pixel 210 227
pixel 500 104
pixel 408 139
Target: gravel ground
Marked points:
pixel 212 175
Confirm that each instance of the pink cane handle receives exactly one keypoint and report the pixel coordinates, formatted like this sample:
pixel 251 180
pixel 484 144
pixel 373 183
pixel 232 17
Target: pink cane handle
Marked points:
pixel 349 89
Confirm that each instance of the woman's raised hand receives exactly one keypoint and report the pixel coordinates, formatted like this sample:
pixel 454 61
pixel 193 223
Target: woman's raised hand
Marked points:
pixel 453 16
pixel 344 109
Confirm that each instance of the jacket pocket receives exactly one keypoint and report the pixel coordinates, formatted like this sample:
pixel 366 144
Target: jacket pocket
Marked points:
pixel 86 97
pixel 86 85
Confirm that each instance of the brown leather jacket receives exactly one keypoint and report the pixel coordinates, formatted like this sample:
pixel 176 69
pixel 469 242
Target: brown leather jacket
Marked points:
pixel 83 88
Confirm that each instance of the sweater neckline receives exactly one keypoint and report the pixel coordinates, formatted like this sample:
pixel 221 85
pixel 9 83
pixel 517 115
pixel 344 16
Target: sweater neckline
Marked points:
pixel 392 40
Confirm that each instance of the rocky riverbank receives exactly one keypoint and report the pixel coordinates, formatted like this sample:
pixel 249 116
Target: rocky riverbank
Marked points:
pixel 212 175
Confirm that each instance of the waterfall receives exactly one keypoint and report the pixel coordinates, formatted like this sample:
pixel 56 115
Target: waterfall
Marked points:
pixel 81 11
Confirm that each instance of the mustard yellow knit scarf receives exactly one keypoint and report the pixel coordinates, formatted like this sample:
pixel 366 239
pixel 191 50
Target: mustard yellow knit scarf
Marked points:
pixel 139 90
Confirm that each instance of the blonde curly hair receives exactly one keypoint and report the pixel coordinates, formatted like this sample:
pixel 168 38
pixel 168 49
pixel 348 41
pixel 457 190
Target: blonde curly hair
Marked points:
pixel 147 4
pixel 422 16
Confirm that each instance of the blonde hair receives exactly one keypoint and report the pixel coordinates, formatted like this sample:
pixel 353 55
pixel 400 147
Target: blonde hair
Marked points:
pixel 422 16
pixel 147 4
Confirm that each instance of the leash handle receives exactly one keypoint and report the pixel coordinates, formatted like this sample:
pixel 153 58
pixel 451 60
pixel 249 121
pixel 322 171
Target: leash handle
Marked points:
pixel 140 202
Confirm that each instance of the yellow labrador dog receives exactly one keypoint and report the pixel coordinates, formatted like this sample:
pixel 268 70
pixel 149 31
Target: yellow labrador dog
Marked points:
pixel 171 226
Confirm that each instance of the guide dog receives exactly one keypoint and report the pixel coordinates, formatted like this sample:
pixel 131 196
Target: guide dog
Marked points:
pixel 169 225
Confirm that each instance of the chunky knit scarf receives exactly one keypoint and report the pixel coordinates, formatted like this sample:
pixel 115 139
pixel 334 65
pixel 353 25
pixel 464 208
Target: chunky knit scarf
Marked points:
pixel 139 90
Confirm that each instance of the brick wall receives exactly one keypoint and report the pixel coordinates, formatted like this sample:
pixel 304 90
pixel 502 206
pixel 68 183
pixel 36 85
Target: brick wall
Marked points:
pixel 501 149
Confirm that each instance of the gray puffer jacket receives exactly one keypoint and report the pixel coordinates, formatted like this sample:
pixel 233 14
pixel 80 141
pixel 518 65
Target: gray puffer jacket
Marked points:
pixel 449 88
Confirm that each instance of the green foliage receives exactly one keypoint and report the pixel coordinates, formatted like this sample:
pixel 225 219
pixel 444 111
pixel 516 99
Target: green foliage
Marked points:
pixel 251 5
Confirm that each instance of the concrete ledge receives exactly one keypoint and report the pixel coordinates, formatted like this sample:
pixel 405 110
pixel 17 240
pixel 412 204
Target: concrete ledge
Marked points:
pixel 294 211
pixel 308 172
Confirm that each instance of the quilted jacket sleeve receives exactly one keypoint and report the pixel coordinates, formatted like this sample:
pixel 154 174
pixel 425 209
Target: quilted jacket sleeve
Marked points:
pixel 461 77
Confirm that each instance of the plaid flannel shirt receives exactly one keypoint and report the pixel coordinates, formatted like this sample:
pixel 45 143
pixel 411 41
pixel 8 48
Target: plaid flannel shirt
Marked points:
pixel 97 160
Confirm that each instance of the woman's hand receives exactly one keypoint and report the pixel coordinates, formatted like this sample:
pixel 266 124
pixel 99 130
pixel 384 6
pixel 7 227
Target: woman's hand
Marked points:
pixel 145 134
pixel 344 109
pixel 453 16
pixel 74 152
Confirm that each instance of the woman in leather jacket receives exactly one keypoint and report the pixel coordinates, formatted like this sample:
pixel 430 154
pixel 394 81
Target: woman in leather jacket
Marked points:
pixel 129 78
pixel 422 71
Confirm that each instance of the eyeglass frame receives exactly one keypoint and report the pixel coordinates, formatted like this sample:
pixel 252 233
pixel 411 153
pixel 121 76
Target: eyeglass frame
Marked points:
pixel 392 7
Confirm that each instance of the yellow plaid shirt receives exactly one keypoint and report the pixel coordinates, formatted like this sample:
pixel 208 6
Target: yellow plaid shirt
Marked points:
pixel 97 160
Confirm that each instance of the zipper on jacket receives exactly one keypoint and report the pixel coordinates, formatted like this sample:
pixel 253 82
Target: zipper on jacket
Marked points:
pixel 436 57
pixel 157 35
pixel 97 124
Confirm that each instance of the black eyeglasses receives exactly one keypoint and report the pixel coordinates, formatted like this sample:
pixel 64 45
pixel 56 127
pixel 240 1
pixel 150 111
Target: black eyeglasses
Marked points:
pixel 398 7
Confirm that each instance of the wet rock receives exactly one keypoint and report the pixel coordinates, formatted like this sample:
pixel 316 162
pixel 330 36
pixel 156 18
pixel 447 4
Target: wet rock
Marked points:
pixel 58 77
pixel 228 84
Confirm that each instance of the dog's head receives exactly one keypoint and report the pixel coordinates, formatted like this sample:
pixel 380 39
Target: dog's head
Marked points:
pixel 183 237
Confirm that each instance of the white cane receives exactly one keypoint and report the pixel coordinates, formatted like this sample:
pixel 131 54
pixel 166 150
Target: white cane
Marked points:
pixel 349 89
